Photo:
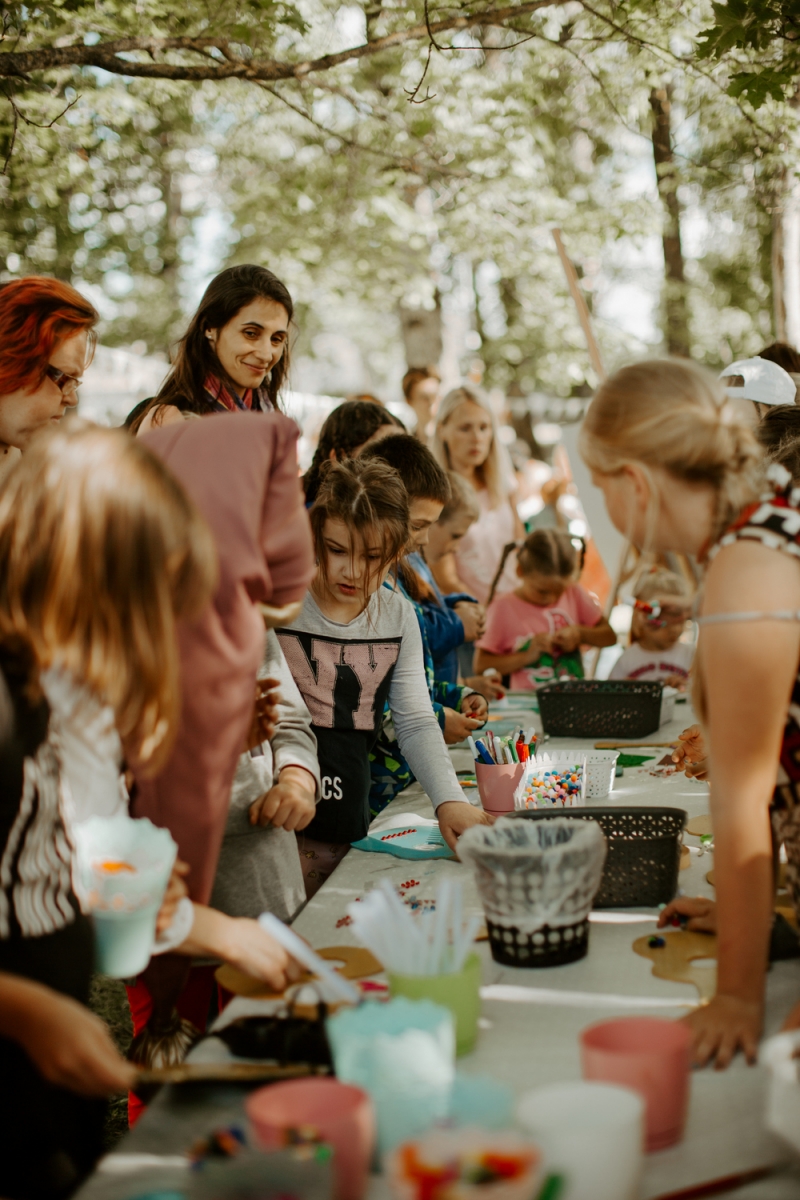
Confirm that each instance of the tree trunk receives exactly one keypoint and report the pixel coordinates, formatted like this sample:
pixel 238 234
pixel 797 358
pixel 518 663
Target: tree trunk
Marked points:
pixel 778 266
pixel 675 306
pixel 791 260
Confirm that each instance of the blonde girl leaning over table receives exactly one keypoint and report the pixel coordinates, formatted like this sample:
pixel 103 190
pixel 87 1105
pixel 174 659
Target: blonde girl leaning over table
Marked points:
pixel 535 633
pixel 102 555
pixel 680 473
pixel 465 441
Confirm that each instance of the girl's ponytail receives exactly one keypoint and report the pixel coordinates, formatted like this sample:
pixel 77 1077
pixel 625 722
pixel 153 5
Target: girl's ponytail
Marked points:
pixel 503 559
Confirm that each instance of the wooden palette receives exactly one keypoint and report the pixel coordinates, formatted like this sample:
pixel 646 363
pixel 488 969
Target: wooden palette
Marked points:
pixel 675 960
pixel 358 963
pixel 686 858
pixel 700 826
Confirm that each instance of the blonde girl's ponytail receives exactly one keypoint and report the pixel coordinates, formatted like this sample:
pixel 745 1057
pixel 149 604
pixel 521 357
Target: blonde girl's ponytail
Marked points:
pixel 674 415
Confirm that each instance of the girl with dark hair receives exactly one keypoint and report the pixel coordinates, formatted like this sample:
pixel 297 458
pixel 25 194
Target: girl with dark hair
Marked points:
pixel 355 646
pixel 234 356
pixel 535 633
pixel 348 429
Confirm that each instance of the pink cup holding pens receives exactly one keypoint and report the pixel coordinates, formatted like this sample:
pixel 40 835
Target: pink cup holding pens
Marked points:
pixel 650 1055
pixel 319 1109
pixel 496 786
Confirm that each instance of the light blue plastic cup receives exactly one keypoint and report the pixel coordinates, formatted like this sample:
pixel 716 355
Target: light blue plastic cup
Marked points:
pixel 123 941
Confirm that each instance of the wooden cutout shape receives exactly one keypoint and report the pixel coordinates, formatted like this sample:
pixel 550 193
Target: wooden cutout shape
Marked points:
pixel 635 745
pixel 700 826
pixel 358 964
pixel 686 858
pixel 674 960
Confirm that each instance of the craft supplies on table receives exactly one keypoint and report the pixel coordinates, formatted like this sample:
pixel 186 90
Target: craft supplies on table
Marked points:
pixel 122 868
pixel 552 780
pixel 412 837
pixel 537 881
pixel 592 1134
pixel 468 1164
pixel 644 851
pixel 601 769
pixel 460 991
pixel 596 708
pixel 312 1111
pixel 431 943
pixel 515 747
pixel 403 1054
pixel 652 1057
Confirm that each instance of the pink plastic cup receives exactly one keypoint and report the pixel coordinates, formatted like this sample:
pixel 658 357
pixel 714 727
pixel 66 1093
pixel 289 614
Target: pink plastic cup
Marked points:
pixel 650 1055
pixel 497 785
pixel 334 1112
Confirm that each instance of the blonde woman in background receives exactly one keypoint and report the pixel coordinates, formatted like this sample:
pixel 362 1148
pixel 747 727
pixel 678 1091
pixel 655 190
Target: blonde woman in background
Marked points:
pixel 465 441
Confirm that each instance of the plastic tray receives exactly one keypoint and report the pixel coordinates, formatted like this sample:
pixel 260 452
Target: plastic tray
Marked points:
pixel 588 708
pixel 644 851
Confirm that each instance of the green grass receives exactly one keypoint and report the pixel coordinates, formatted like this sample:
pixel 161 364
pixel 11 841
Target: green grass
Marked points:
pixel 109 1001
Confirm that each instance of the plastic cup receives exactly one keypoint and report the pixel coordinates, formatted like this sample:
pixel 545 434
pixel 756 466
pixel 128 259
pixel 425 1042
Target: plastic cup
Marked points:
pixel 496 786
pixel 601 768
pixel 123 941
pixel 592 1134
pixel 333 1112
pixel 650 1055
pixel 460 992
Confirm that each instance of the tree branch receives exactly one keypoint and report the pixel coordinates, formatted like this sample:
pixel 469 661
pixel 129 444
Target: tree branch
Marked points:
pixel 106 55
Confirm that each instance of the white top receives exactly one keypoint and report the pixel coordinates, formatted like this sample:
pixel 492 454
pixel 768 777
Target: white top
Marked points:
pixel 650 665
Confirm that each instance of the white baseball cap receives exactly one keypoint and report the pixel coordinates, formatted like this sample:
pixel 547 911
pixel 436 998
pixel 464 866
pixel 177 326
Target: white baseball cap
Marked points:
pixel 764 382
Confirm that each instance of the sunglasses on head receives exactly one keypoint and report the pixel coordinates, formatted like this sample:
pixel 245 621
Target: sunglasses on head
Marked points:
pixel 659 615
pixel 64 382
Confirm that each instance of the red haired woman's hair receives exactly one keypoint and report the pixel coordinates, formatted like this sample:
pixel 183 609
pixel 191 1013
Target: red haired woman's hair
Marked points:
pixel 36 315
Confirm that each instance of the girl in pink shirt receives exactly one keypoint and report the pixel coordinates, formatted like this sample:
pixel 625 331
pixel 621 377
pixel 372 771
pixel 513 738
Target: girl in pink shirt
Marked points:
pixel 535 633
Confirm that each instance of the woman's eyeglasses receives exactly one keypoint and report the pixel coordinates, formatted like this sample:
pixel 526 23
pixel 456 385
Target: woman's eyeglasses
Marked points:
pixel 67 384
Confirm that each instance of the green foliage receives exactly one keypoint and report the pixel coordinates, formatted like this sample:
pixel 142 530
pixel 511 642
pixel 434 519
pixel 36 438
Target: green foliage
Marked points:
pixel 767 33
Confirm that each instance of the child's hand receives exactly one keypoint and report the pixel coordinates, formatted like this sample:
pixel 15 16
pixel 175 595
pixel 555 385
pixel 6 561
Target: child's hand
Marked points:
pixel 176 890
pixel 290 804
pixel 541 643
pixel 473 618
pixel 490 686
pixel 69 1046
pixel 690 753
pixel 676 681
pixel 456 816
pixel 254 951
pixel 265 711
pixel 457 727
pixel 475 706
pixel 701 913
pixel 567 639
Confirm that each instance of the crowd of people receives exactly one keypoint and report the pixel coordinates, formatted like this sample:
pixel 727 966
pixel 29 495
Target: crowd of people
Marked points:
pixel 190 632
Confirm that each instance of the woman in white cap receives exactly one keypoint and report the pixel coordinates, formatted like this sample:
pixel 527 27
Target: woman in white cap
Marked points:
pixel 760 381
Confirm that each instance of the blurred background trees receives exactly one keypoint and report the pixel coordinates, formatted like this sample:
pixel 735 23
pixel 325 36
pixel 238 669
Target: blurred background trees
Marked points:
pixel 410 192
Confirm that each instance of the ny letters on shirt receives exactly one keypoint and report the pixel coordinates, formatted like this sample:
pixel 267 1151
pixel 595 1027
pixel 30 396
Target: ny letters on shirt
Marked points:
pixel 345 684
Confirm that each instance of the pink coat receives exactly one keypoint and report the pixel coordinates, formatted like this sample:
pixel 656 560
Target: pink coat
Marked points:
pixel 241 472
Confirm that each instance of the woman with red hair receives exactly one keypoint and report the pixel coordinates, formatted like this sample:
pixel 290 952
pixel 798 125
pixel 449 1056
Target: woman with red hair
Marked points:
pixel 47 341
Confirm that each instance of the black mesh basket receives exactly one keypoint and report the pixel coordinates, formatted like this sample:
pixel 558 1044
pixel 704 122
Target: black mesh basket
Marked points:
pixel 547 947
pixel 589 708
pixel 644 852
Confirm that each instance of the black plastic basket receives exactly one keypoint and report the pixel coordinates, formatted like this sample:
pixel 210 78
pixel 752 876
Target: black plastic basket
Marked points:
pixel 644 851
pixel 588 708
pixel 548 947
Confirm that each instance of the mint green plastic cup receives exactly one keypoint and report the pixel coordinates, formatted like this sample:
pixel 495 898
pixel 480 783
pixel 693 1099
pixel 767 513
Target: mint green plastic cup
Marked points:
pixel 460 992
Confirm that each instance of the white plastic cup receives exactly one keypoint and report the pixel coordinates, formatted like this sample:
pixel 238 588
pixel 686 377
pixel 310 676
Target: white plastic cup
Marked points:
pixel 601 767
pixel 592 1134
